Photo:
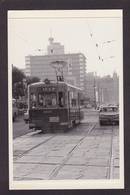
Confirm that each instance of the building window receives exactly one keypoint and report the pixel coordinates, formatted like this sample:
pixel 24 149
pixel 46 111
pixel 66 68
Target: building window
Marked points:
pixel 82 75
pixel 81 71
pixel 81 80
pixel 81 67
pixel 81 84
pixel 70 73
pixel 27 65
pixel 81 56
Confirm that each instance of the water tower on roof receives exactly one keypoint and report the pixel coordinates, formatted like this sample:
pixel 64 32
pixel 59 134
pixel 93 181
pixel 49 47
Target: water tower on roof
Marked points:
pixel 54 48
pixel 51 39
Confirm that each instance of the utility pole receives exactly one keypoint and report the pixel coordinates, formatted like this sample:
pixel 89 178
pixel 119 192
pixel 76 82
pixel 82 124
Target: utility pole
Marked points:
pixel 94 91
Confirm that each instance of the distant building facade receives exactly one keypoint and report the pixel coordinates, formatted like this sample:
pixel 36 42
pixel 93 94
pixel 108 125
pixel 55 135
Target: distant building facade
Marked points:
pixel 41 66
pixel 108 89
pixel 90 85
pixel 102 90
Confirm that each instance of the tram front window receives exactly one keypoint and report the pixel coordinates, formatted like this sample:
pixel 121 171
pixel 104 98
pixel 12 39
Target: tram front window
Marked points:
pixel 33 100
pixel 47 100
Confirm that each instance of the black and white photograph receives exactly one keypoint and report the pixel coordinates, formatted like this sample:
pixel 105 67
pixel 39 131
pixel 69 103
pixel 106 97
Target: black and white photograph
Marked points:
pixel 65 86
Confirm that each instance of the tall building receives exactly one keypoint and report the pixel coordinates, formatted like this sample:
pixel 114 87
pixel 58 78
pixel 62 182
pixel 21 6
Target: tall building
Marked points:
pixel 41 66
pixel 90 84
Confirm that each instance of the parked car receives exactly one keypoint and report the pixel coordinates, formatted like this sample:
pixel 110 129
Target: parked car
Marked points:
pixel 109 115
pixel 26 116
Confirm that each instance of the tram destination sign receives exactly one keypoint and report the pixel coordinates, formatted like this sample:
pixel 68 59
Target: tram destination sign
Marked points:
pixel 54 119
pixel 48 89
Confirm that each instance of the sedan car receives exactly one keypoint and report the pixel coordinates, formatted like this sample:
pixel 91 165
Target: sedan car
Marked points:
pixel 109 115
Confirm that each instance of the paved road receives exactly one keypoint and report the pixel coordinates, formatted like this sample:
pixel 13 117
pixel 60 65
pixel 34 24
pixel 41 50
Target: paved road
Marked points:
pixel 20 127
pixel 87 152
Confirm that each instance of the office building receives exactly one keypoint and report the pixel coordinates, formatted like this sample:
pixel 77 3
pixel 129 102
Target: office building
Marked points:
pixel 41 66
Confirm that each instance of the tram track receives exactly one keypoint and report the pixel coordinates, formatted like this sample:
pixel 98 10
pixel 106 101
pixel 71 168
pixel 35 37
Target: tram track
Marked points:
pixel 34 147
pixel 22 153
pixel 55 172
pixel 64 160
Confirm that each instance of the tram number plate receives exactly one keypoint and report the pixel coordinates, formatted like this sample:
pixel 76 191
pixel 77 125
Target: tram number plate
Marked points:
pixel 54 119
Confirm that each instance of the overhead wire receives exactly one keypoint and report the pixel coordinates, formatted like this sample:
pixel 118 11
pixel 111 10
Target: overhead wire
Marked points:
pixel 94 42
pixel 28 43
pixel 97 44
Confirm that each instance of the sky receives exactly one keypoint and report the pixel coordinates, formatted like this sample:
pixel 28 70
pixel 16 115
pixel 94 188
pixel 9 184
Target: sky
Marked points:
pixel 96 34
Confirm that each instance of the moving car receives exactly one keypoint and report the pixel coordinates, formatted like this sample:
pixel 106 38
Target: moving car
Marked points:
pixel 109 115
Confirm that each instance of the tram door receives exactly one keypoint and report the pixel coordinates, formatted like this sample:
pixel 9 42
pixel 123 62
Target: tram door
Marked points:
pixel 73 107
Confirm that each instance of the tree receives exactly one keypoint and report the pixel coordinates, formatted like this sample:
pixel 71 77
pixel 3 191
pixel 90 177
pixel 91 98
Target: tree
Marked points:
pixel 17 82
pixel 31 80
pixel 20 82
pixel 17 75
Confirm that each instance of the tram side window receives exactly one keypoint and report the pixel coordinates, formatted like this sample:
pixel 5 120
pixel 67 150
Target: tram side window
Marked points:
pixel 33 100
pixel 47 100
pixel 73 102
pixel 54 100
pixel 40 100
pixel 73 99
pixel 61 99
pixel 50 100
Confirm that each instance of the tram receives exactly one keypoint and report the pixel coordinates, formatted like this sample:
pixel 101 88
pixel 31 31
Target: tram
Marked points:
pixel 54 106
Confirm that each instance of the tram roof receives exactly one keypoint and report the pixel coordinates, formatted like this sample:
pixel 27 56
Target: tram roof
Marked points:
pixel 62 83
